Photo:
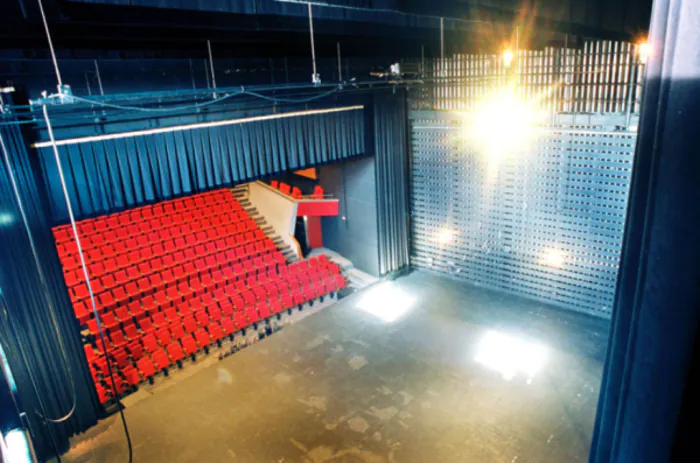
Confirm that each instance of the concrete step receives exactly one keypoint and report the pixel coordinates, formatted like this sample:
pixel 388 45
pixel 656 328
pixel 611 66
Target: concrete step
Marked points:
pixel 359 279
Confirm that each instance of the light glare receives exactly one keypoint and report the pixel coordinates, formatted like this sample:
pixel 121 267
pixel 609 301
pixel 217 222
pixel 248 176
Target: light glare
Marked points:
pixel 507 58
pixel 5 218
pixel 386 301
pixel 445 236
pixel 501 126
pixel 555 258
pixel 644 51
pixel 17 447
pixel 509 355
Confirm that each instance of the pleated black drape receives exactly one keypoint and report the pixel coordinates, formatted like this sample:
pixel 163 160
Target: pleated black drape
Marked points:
pixel 35 313
pixel 391 151
pixel 116 174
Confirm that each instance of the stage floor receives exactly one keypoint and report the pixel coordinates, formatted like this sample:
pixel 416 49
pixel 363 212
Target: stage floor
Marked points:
pixel 344 385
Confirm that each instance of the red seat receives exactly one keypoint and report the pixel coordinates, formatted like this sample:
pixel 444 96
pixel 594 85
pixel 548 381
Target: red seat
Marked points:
pixel 160 359
pixel 177 330
pixel 202 337
pixel 147 326
pixel 263 310
pixel 189 345
pixel 284 188
pixel 118 339
pixel 146 367
pixel 159 319
pixel 81 312
pixel 215 313
pixel 240 320
pixel 215 332
pixel 121 358
pixel 171 314
pixel 296 193
pixel 123 314
pixel 228 326
pixel 135 349
pixel 150 343
pixel 163 336
pixel 202 318
pixel 109 321
pixel 252 314
pixel 175 352
pixel 190 324
pixel 131 375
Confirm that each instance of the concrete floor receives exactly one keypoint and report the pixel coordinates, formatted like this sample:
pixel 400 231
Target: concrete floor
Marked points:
pixel 344 386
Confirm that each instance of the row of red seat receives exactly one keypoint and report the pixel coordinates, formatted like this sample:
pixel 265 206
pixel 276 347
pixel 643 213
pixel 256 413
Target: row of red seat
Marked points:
pixel 173 268
pixel 153 231
pixel 168 209
pixel 295 192
pixel 167 337
pixel 152 259
pixel 194 294
pixel 143 264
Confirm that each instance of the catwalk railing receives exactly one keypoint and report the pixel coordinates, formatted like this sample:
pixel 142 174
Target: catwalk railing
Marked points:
pixel 600 77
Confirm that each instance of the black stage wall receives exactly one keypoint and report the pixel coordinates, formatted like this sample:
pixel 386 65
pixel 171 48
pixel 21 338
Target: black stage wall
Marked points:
pixel 354 232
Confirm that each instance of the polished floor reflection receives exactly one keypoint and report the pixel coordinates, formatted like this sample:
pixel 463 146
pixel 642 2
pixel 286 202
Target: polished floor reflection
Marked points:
pixel 433 372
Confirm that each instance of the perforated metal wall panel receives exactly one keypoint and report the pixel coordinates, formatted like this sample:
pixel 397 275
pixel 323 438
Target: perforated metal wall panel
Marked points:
pixel 545 223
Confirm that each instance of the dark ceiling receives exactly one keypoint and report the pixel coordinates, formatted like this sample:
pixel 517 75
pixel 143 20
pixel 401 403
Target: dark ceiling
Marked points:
pixel 274 28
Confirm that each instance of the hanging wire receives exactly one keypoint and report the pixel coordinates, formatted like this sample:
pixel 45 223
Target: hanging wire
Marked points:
pixel 243 91
pixel 117 395
pixel 53 52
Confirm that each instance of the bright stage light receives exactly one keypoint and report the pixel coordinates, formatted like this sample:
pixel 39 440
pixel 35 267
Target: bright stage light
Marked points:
pixel 445 236
pixel 644 51
pixel 386 301
pixel 507 58
pixel 501 126
pixel 555 258
pixel 17 447
pixel 5 218
pixel 509 355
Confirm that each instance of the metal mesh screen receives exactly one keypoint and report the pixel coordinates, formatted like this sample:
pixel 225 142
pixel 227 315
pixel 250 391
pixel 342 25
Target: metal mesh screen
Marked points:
pixel 547 223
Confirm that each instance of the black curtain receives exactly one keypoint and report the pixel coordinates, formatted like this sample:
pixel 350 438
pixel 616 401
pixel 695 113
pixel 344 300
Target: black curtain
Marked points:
pixel 391 163
pixel 37 325
pixel 111 175
pixel 646 383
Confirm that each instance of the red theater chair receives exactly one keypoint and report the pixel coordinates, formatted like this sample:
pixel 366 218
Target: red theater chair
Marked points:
pixel 161 360
pixel 189 345
pixel 203 339
pixel 176 354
